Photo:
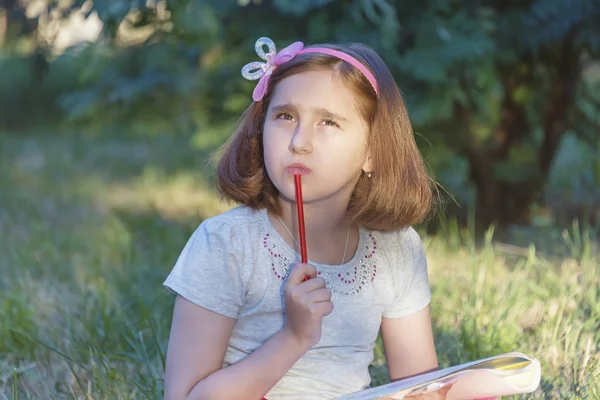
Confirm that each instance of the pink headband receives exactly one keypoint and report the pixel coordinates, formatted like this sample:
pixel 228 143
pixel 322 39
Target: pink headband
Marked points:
pixel 262 71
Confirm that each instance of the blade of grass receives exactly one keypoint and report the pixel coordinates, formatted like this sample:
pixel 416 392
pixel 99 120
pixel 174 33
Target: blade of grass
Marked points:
pixel 53 349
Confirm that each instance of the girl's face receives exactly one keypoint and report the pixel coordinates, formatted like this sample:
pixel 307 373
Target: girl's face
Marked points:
pixel 313 128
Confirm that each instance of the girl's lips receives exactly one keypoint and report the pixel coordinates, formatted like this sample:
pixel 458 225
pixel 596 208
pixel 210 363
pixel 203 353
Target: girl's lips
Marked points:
pixel 298 170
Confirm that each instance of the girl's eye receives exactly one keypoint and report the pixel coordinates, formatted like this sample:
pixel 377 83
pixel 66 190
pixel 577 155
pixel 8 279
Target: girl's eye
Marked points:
pixel 285 116
pixel 330 122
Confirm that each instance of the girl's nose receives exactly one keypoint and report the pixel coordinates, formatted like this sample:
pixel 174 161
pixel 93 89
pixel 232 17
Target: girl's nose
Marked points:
pixel 301 141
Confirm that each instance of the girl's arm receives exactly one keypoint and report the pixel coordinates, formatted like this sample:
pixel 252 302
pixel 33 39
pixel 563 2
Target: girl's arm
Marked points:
pixel 408 344
pixel 199 339
pixel 197 346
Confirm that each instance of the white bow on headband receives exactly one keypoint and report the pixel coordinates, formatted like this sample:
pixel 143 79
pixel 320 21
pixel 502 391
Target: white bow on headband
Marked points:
pixel 259 70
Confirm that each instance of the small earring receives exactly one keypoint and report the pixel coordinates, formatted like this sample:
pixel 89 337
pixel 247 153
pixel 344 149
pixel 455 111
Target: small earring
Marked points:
pixel 369 174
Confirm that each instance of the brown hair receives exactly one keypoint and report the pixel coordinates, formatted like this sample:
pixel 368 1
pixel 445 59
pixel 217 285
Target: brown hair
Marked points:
pixel 400 191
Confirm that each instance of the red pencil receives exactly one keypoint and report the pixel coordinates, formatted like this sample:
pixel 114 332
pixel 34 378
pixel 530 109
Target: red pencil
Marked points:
pixel 300 208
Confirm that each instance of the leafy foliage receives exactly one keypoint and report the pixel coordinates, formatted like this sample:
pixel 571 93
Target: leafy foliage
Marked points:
pixel 497 82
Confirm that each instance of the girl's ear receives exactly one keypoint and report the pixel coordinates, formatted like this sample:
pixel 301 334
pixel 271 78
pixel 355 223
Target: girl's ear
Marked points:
pixel 368 164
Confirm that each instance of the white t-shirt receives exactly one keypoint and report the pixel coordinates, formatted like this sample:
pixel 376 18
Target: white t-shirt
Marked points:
pixel 235 264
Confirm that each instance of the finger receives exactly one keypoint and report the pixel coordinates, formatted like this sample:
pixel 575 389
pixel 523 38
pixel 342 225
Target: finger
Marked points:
pixel 439 394
pixel 319 295
pixel 299 271
pixel 324 308
pixel 444 390
pixel 313 284
pixel 414 397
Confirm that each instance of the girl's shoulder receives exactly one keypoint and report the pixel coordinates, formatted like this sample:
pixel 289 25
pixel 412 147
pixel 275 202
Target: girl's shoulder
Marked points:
pixel 239 219
pixel 215 268
pixel 231 230
pixel 406 259
pixel 402 248
pixel 401 240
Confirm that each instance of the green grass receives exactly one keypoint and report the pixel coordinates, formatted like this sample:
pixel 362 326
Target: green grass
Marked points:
pixel 90 227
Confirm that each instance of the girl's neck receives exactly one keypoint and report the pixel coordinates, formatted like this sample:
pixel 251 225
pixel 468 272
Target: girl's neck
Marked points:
pixel 326 231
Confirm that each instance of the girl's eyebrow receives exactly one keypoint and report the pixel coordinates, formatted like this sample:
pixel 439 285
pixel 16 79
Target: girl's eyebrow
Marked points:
pixel 281 108
pixel 288 107
pixel 328 114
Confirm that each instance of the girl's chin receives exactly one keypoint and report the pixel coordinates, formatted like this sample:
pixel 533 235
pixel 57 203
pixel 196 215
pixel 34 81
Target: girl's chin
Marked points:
pixel 292 199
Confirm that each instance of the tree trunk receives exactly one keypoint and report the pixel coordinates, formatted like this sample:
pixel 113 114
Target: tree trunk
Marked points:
pixel 504 202
pixel 562 96
pixel 3 26
pixel 7 10
pixel 497 201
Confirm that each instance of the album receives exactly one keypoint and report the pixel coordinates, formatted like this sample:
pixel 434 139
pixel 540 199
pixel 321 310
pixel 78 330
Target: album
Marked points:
pixel 502 375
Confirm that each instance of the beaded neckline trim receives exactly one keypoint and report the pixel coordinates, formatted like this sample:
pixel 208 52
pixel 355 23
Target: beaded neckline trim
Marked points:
pixel 354 279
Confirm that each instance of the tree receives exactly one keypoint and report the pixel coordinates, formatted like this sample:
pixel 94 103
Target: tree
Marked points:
pixel 499 82
pixel 509 89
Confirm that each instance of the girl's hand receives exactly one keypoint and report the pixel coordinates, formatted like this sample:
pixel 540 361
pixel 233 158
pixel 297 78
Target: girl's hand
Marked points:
pixel 306 303
pixel 439 394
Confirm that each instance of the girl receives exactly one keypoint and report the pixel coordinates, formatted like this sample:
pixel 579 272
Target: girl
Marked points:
pixel 246 323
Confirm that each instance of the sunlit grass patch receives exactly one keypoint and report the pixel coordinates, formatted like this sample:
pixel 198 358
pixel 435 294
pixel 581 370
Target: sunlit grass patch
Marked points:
pixel 90 228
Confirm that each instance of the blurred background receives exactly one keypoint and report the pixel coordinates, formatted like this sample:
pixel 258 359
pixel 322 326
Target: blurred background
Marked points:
pixel 109 114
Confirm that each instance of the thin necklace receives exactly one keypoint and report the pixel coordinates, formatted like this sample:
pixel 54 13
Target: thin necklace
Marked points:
pixel 298 244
